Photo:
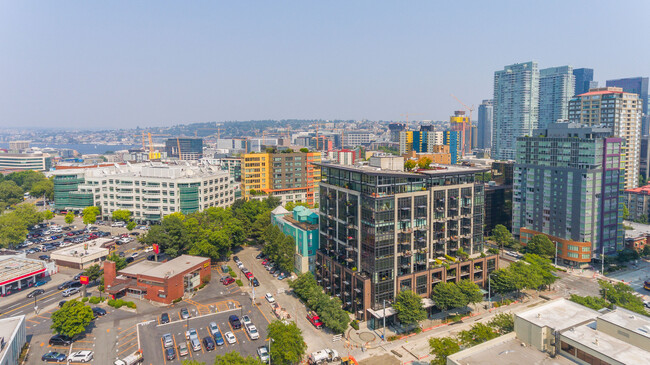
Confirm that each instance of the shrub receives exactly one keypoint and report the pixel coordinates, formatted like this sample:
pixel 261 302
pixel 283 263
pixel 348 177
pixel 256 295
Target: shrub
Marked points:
pixel 94 300
pixel 111 302
pixel 84 299
pixel 130 305
pixel 417 330
pixel 177 300
pixel 355 324
pixel 392 338
pixel 101 288
pixel 239 283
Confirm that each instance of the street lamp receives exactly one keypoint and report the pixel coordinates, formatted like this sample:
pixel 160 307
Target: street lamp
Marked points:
pixel 270 340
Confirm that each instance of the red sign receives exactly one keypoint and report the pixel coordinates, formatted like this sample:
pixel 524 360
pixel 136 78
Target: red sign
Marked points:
pixel 156 249
pixel 84 280
pixel 85 246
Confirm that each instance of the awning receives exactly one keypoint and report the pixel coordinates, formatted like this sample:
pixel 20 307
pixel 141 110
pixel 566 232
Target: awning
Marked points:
pixel 380 313
pixel 427 302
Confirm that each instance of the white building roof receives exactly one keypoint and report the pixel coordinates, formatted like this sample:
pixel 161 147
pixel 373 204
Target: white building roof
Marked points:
pixel 559 314
pixel 607 345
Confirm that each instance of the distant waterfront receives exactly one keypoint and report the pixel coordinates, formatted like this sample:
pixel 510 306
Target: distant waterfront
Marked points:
pixel 82 148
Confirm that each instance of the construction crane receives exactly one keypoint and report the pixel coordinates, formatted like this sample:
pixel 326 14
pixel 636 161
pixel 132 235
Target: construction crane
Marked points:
pixel 152 155
pixel 407 116
pixel 470 110
pixel 178 143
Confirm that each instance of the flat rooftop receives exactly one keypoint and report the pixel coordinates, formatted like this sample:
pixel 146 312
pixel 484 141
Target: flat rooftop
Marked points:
pixel 162 270
pixel 149 170
pixel 559 314
pixel 629 320
pixel 638 229
pixel 436 169
pixel 507 350
pixel 8 328
pixel 11 268
pixel 94 247
pixel 607 345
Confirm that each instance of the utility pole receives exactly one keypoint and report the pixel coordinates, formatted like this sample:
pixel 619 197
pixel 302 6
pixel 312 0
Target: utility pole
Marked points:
pixel 602 261
pixel 383 337
pixel 489 291
pixel 555 253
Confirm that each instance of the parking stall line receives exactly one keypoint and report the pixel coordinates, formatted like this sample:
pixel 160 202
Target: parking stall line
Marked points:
pixel 126 349
pixel 175 347
pixel 162 345
pixel 225 343
pixel 122 331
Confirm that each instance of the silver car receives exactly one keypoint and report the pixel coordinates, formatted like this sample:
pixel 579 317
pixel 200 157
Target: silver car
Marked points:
pixel 196 344
pixel 168 341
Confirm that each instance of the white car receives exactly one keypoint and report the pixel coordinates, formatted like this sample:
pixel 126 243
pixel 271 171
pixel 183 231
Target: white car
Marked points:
pixel 135 254
pixel 269 298
pixel 252 332
pixel 246 320
pixel 80 356
pixel 191 334
pixel 148 249
pixel 230 337
pixel 213 328
pixel 263 353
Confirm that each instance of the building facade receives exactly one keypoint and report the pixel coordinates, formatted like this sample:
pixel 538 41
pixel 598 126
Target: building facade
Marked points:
pixel 644 157
pixel 584 80
pixel 149 191
pixel 184 148
pixel 25 161
pixel 484 128
pixel 567 183
pixel 619 111
pixel 13 336
pixel 637 201
pixel 516 107
pixel 302 225
pixel 382 231
pixel 460 122
pixel 293 177
pixel 639 86
pixel 452 139
pixel 556 87
pixel 356 138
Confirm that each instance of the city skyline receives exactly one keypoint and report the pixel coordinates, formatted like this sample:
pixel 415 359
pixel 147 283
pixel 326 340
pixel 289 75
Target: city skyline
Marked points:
pixel 123 65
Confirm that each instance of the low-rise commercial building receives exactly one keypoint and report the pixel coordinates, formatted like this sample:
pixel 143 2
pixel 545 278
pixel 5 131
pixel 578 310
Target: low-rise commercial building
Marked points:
pixel 83 255
pixel 25 161
pixel 18 273
pixel 13 336
pixel 149 191
pixel 161 282
pixel 302 225
pixel 566 331
pixel 637 201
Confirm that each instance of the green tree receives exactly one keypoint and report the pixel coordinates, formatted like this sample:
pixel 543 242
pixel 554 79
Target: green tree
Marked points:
pixel 48 215
pixel 409 307
pixel 646 250
pixel 331 313
pixel 120 263
pixel 471 291
pixel 71 319
pixel 448 296
pixel 93 272
pixel 12 230
pixel 131 225
pixel 44 187
pixel 29 214
pixel 193 362
pixel 424 162
pixel 304 150
pixel 409 165
pixel 541 245
pixel 121 215
pixel 626 212
pixel 288 344
pixel 622 295
pixel 291 205
pixel 501 236
pixel 90 214
pixel 592 302
pixel 235 358
pixel 69 217
pixel 479 333
pixel 441 347
pixel 503 323
pixel 10 193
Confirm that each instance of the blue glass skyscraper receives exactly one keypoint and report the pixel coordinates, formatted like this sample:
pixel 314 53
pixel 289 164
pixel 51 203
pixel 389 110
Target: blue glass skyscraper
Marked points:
pixel 584 80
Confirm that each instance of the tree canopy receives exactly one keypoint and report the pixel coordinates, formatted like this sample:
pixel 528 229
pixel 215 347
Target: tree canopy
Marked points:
pixel 409 307
pixel 235 358
pixel 121 215
pixel 288 345
pixel 541 245
pixel 448 296
pixel 93 272
pixel 501 236
pixel 120 262
pixel 14 225
pixel 69 217
pixel 329 310
pixel 72 318
pixel 90 214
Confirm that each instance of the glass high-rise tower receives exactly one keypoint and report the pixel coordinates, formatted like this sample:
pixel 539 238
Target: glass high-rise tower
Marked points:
pixel 584 80
pixel 516 107
pixel 485 122
pixel 556 86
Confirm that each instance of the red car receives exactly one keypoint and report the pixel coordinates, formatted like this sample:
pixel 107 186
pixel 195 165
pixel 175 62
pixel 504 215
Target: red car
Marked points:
pixel 265 262
pixel 249 275
pixel 228 281
pixel 69 234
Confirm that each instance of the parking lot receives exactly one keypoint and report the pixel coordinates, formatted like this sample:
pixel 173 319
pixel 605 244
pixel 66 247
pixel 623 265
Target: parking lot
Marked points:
pixel 153 348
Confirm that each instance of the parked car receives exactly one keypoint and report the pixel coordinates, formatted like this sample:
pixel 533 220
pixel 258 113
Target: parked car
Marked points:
pixel 98 312
pixel 164 318
pixel 148 249
pixel 252 332
pixel 70 291
pixel 60 340
pixel 246 320
pixel 208 342
pixel 230 337
pixel 218 338
pixel 234 322
pixel 80 356
pixel 170 353
pixel 35 293
pixel 259 256
pixel 265 261
pixel 78 276
pixel 263 353
pixel 182 349
pixel 191 334
pixel 168 340
pixel 185 314
pixel 213 328
pixel 249 275
pixel 269 298
pixel 228 281
pixel 255 282
pixel 40 283
pixel 53 356
pixel 196 345
pixel 44 257
pixel 61 303
pixel 236 259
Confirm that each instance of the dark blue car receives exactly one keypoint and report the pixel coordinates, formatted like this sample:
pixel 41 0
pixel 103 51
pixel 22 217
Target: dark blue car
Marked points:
pixel 53 356
pixel 218 338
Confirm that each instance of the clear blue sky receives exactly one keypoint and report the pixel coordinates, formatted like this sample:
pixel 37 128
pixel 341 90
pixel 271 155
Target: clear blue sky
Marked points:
pixel 127 63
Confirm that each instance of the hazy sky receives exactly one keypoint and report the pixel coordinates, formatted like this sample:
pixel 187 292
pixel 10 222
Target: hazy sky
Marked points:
pixel 127 63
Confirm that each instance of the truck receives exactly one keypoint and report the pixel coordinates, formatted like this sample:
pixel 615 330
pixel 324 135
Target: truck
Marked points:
pixel 325 355
pixel 134 358
pixel 314 319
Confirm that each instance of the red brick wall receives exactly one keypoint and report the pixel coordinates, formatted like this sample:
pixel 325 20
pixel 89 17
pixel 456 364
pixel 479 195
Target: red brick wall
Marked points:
pixel 109 273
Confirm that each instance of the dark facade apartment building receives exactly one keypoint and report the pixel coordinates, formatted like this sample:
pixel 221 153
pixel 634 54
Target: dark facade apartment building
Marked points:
pixel 383 231
pixel 184 148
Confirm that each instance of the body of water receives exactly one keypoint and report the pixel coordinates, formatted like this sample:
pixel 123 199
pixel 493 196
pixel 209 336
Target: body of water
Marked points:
pixel 83 148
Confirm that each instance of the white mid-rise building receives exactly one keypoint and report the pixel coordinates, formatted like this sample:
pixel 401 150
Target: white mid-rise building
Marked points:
pixel 149 190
